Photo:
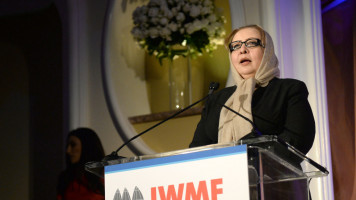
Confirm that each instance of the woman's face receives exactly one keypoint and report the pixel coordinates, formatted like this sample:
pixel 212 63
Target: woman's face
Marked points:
pixel 247 60
pixel 74 149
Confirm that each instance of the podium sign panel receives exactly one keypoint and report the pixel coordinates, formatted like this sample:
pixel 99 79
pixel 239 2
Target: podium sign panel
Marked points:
pixel 203 175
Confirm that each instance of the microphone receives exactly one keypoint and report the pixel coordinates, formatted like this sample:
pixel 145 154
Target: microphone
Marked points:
pixel 254 128
pixel 284 143
pixel 212 87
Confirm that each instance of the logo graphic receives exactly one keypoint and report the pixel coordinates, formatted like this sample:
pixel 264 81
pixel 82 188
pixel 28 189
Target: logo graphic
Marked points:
pixel 137 195
pixel 189 190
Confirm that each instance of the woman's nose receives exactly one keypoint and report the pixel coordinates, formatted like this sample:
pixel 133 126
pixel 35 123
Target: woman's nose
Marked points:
pixel 243 49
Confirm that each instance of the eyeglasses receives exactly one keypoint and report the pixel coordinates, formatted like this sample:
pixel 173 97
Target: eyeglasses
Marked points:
pixel 253 42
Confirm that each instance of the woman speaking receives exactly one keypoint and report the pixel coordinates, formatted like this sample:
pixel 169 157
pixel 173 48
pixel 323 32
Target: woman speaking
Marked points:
pixel 275 106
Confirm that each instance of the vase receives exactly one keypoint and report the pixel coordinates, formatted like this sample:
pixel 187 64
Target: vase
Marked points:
pixel 168 81
pixel 180 87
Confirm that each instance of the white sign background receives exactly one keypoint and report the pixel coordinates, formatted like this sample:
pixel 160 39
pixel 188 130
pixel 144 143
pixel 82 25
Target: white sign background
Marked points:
pixel 228 163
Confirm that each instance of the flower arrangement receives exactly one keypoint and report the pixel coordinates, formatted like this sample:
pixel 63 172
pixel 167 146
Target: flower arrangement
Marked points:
pixel 173 28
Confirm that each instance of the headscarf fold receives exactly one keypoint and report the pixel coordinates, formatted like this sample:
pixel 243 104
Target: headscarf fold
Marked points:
pixel 231 126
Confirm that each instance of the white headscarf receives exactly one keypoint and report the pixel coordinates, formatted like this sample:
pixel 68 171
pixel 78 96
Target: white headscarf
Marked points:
pixel 231 126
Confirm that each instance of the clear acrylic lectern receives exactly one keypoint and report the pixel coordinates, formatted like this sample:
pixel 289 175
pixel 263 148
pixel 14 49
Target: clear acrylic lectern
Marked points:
pixel 276 170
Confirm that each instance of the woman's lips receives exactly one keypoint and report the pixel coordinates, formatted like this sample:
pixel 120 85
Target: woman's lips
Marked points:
pixel 245 61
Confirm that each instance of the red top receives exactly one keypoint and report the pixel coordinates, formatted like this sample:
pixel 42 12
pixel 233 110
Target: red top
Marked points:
pixel 77 191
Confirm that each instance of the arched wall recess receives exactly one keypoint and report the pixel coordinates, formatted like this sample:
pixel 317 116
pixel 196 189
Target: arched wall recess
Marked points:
pixel 124 85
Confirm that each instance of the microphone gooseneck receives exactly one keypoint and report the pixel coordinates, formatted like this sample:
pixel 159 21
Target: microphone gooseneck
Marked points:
pixel 212 87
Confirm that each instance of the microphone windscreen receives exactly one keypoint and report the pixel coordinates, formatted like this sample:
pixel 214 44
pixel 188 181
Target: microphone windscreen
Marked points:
pixel 214 86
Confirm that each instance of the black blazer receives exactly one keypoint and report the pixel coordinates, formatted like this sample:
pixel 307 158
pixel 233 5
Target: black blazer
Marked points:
pixel 281 108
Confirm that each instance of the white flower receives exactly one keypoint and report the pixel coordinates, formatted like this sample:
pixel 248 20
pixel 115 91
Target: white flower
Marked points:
pixel 174 11
pixel 194 11
pixel 198 24
pixel 160 18
pixel 186 8
pixel 189 27
pixel 154 2
pixel 163 21
pixel 165 32
pixel 153 32
pixel 173 26
pixel 142 19
pixel 208 3
pixel 145 33
pixel 167 13
pixel 182 30
pixel 216 24
pixel 153 12
pixel 142 10
pixel 179 7
pixel 137 33
pixel 210 30
pixel 205 23
pixel 205 10
pixel 154 20
pixel 139 14
pixel 180 17
pixel 212 18
pixel 220 32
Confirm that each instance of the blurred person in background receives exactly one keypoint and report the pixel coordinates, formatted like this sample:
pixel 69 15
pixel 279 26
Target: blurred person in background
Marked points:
pixel 75 183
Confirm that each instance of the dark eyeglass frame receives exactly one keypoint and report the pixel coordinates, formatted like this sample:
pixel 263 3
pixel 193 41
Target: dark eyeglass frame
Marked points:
pixel 259 43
